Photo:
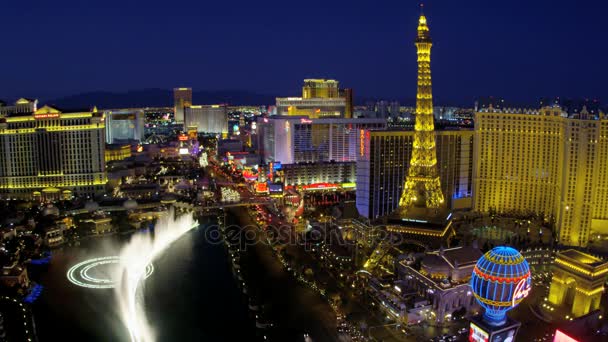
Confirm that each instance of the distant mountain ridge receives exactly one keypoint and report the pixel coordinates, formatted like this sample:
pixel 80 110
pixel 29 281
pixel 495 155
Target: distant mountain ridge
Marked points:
pixel 157 98
pixel 154 97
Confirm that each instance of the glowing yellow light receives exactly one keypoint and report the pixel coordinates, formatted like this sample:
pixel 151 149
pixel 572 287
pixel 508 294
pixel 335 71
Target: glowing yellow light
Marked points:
pixel 423 172
pixel 590 293
pixel 20 119
pixel 580 269
pixel 76 115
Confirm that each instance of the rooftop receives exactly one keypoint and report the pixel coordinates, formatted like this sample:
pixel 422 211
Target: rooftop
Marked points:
pixel 462 255
pixel 319 80
pixel 453 257
pixel 581 257
pixel 554 110
pixel 435 225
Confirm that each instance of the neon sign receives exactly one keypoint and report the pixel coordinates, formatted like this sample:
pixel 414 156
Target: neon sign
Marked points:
pixel 249 175
pixel 305 121
pixel 46 116
pixel 500 281
pixel 317 186
pixel 362 142
pixel 522 290
pixel 261 187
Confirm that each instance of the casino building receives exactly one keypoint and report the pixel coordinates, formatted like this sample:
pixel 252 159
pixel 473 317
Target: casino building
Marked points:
pixel 501 280
pixel 300 139
pixel 211 119
pixel 124 125
pixel 49 154
pixel 320 99
pixel 443 280
pixel 315 173
pixel 21 106
pixel 544 161
pixel 182 98
pixel 384 159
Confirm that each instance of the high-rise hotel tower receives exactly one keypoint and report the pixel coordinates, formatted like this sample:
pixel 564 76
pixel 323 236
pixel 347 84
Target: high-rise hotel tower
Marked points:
pixel 422 187
pixel 544 162
pixel 321 98
pixel 383 162
pixel 50 155
pixel 182 99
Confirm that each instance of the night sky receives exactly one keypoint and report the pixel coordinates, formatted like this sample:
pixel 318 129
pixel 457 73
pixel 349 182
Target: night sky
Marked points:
pixel 519 50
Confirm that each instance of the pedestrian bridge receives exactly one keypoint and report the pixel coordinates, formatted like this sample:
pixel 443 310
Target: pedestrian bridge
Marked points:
pixel 224 205
pixel 178 204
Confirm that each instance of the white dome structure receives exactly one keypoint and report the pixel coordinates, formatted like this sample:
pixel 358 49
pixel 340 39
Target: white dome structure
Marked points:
pixel 130 204
pixel 50 210
pixel 91 206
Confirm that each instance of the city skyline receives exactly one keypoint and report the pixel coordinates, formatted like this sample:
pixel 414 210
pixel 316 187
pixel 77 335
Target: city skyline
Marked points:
pixel 363 45
pixel 304 218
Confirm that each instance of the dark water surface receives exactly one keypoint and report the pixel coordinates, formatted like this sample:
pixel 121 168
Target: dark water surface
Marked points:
pixel 191 296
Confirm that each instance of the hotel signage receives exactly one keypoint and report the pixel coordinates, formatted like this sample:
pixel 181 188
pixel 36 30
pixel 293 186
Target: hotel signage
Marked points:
pixel 46 116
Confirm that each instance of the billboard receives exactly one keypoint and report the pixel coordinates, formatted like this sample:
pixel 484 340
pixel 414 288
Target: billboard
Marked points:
pixel 505 333
pixel 275 188
pixel 261 188
pixel 129 116
pixel 477 334
pixel 561 337
pixel 320 186
pixel 349 185
pixel 249 175
pixel 504 336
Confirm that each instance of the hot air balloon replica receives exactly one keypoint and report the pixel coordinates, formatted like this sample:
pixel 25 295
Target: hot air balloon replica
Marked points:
pixel 500 281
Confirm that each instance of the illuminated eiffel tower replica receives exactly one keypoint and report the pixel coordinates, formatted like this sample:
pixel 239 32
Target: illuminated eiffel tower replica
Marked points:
pixel 422 185
pixel 422 211
pixel 422 217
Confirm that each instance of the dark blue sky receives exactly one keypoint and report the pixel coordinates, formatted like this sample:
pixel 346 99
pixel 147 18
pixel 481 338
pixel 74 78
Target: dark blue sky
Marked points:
pixel 520 50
